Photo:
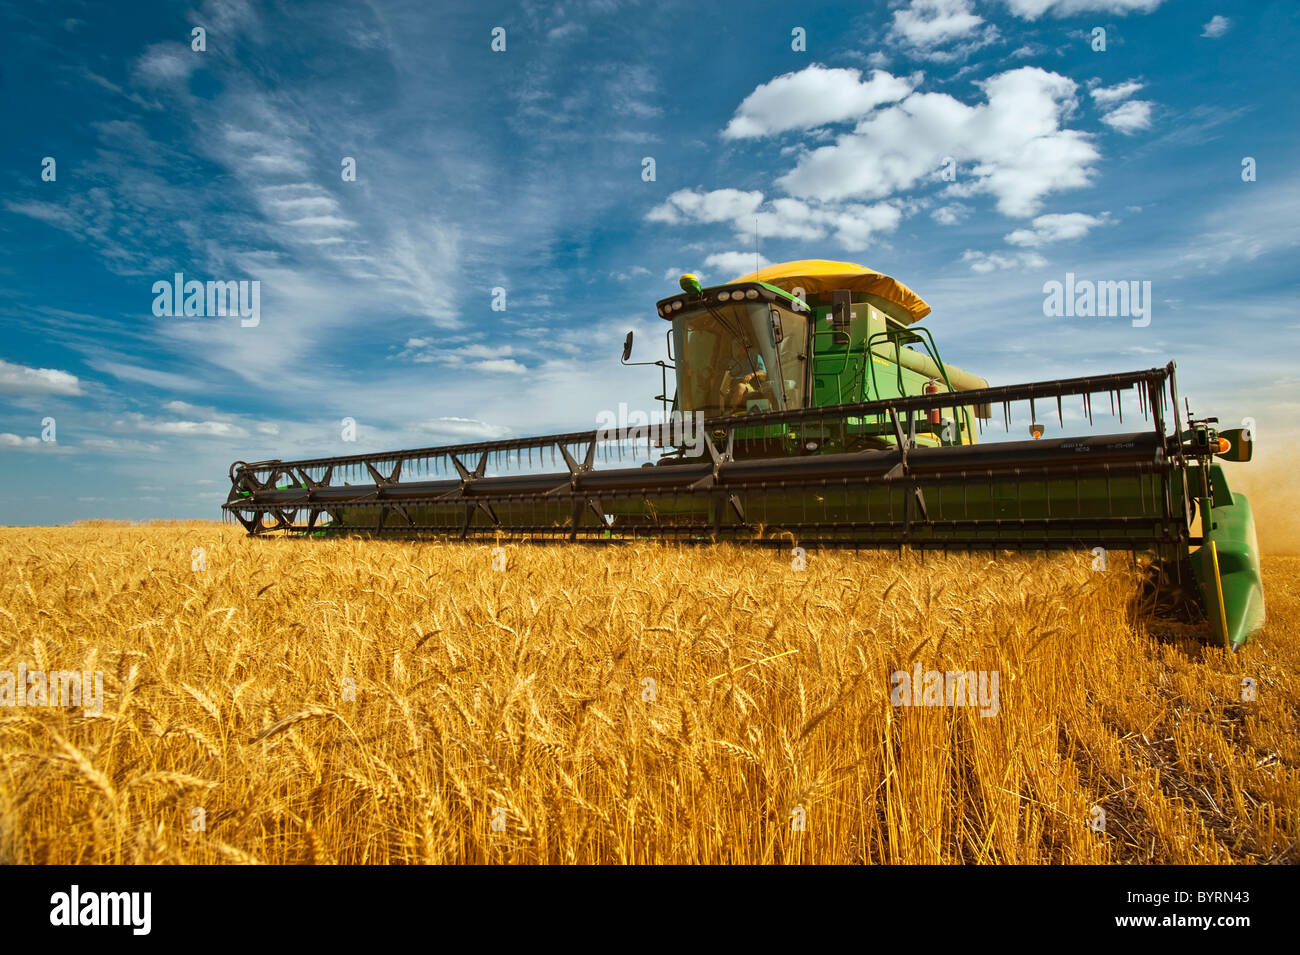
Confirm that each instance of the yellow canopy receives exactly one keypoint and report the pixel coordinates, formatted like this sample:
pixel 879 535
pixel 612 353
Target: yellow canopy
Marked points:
pixel 817 276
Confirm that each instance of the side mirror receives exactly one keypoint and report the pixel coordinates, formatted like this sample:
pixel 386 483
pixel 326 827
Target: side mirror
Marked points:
pixel 627 347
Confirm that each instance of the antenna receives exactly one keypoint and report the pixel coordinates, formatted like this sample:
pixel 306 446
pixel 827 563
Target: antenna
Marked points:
pixel 756 244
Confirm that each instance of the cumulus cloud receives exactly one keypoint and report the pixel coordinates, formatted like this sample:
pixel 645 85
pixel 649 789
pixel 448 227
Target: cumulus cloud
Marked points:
pixel 853 226
pixel 813 97
pixel 21 380
pixel 720 205
pixel 19 442
pixel 940 29
pixel 1056 227
pixel 1014 144
pixel 1130 117
pixel 1118 111
pixel 931 22
pixel 736 263
pixel 1217 27
pixel 1109 96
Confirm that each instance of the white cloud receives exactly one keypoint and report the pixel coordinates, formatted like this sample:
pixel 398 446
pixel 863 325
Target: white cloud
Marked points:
pixel 502 366
pixel 121 446
pixel 1033 9
pixel 485 351
pixel 813 97
pixel 1056 227
pixel 927 23
pixel 424 351
pixel 1217 27
pixel 983 262
pixel 940 29
pixel 21 443
pixel 166 64
pixel 321 222
pixel 735 264
pixel 1130 117
pixel 720 205
pixel 565 30
pixel 463 428
pixel 853 226
pixel 21 380
pixel 1118 110
pixel 1014 144
pixel 951 214
pixel 1108 96
pixel 203 429
pixel 636 271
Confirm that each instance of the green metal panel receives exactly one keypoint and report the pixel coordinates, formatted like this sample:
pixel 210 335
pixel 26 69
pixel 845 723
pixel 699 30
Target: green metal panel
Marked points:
pixel 1234 597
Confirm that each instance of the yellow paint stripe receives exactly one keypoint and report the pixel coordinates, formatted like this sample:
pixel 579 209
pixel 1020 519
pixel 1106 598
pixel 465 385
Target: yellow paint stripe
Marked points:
pixel 1218 589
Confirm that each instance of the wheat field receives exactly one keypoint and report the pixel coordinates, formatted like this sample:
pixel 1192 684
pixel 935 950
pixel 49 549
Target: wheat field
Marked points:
pixel 352 701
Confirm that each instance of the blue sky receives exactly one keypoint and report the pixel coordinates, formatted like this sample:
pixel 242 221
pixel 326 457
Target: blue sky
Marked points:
pixel 523 170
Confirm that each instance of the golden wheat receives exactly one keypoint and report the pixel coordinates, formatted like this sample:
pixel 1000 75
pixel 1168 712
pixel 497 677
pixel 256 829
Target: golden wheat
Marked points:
pixel 372 702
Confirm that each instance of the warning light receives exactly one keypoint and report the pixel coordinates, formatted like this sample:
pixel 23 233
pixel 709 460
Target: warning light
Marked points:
pixel 1036 430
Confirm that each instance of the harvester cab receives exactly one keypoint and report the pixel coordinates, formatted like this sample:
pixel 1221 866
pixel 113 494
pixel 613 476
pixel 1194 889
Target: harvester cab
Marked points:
pixel 812 334
pixel 821 415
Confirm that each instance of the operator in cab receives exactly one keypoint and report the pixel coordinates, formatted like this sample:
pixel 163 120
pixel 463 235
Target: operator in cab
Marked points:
pixel 745 378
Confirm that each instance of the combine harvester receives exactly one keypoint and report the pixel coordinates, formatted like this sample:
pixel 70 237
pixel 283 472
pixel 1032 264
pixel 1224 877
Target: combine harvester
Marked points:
pixel 810 409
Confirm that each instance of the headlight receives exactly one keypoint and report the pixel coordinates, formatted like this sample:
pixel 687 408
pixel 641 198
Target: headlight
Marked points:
pixel 724 296
pixel 752 293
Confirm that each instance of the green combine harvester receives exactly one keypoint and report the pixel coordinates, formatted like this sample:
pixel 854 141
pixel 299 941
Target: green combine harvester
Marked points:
pixel 811 410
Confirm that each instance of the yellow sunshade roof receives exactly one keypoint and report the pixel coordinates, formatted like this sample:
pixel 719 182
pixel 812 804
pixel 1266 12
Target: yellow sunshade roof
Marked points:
pixel 820 276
